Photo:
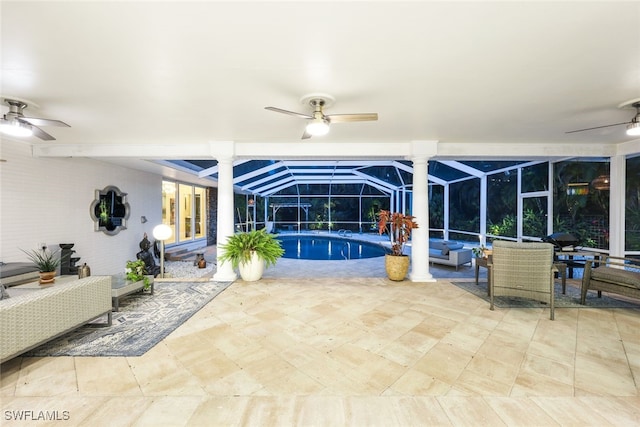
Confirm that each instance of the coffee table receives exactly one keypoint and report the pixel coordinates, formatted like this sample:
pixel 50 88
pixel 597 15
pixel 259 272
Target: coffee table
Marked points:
pixel 575 259
pixel 121 287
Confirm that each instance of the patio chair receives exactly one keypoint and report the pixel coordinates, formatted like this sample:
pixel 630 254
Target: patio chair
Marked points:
pixel 523 270
pixel 611 274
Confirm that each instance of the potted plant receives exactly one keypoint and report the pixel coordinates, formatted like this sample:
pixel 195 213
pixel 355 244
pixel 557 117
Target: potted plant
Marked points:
pixel 250 252
pixel 47 263
pixel 399 227
pixel 480 251
pixel 135 272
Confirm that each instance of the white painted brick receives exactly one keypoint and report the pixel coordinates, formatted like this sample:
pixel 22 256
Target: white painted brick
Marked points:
pixel 48 199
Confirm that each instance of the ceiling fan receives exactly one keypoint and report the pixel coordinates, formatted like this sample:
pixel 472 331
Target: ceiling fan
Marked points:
pixel 318 121
pixel 633 126
pixel 15 123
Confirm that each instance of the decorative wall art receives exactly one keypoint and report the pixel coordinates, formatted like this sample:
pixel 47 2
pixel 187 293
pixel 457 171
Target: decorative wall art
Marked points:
pixel 110 210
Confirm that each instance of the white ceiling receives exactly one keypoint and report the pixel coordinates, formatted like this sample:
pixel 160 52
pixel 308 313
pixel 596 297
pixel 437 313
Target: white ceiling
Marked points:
pixel 167 72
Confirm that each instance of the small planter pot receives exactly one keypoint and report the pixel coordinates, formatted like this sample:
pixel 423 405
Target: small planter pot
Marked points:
pixel 396 266
pixel 252 270
pixel 47 278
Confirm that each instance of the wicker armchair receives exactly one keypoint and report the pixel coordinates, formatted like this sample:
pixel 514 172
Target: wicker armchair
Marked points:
pixel 523 270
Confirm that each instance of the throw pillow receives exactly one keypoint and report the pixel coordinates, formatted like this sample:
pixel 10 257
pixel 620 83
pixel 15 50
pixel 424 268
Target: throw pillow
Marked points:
pixel 3 293
pixel 445 249
pixel 455 246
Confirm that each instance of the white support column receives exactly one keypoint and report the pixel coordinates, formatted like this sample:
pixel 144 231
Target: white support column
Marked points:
pixel 617 203
pixel 225 272
pixel 420 236
pixel 446 191
pixel 483 211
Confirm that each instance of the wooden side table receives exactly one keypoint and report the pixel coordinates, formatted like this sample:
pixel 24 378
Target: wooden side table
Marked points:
pixel 484 262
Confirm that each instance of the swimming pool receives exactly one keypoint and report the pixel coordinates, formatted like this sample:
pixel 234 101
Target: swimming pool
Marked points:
pixel 328 248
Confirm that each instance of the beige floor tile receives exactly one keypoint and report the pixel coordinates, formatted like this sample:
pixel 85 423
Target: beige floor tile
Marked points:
pixel 47 377
pixel 488 376
pixel 407 349
pixel 158 372
pixel 106 376
pixel 238 383
pixel 210 363
pixel 294 383
pixel 533 384
pixel 219 411
pixel 372 411
pixel 9 374
pixel 320 411
pixel 604 377
pixel 520 412
pixel 570 411
pixel 467 336
pixel 474 383
pixel 621 411
pixel 269 411
pixel 603 348
pixel 118 411
pixel 548 368
pixel 469 411
pixel 416 383
pixel 169 411
pixel 268 369
pixel 420 411
pixel 444 362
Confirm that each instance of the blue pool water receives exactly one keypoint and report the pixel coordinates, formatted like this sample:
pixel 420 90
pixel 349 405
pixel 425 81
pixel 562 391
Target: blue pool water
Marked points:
pixel 328 248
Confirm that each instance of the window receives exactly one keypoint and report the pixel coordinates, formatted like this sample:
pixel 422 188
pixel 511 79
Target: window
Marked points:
pixel 632 200
pixel 581 206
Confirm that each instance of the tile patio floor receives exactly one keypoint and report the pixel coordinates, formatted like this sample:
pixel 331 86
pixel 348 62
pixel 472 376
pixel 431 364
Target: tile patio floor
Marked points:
pixel 321 344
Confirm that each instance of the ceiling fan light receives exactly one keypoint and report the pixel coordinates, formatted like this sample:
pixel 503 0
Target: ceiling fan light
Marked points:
pixel 633 129
pixel 318 128
pixel 16 128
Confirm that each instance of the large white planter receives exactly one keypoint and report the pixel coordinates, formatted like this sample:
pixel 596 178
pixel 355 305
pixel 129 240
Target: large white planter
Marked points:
pixel 252 271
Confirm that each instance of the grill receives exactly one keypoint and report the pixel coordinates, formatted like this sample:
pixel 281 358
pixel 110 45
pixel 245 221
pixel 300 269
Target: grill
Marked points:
pixel 561 240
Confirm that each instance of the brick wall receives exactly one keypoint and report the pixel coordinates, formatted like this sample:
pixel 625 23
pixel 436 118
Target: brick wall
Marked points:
pixel 47 200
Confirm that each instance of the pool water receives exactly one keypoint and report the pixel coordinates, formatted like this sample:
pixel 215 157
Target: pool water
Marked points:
pixel 328 248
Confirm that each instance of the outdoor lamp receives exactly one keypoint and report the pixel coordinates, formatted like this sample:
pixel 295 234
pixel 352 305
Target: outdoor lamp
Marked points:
pixel 162 232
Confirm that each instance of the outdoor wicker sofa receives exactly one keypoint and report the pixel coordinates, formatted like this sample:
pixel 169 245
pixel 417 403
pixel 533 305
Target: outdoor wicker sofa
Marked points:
pixel 611 274
pixel 449 253
pixel 13 273
pixel 33 316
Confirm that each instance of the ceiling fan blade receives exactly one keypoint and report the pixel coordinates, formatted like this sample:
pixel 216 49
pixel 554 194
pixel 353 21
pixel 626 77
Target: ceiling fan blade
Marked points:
pixel 41 134
pixel 43 122
pixel 291 113
pixel 598 127
pixel 343 118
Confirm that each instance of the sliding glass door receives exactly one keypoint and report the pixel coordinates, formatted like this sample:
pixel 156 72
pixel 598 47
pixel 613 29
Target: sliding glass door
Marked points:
pixel 184 210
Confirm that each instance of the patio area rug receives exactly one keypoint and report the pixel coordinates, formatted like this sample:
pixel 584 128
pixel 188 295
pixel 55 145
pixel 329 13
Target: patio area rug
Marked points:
pixel 142 322
pixel 570 300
